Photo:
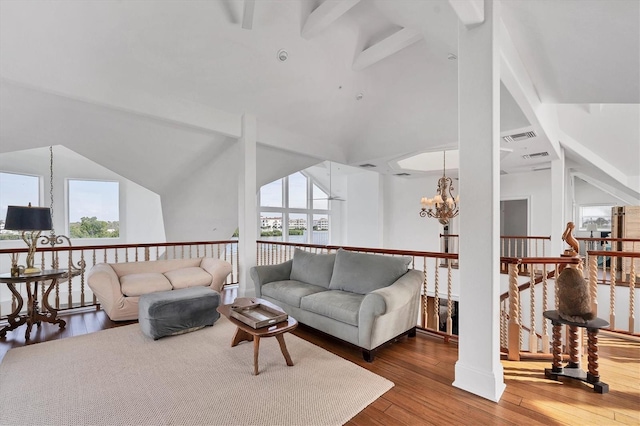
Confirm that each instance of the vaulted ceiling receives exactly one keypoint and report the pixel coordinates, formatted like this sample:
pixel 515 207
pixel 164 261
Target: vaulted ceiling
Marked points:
pixel 166 82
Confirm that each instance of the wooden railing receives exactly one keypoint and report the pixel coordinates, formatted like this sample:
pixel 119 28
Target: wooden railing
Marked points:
pixel 74 293
pixel 510 245
pixel 524 332
pixel 438 308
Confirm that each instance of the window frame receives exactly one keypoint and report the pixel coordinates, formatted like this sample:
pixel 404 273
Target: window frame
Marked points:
pixel 68 206
pixel 579 216
pixel 286 211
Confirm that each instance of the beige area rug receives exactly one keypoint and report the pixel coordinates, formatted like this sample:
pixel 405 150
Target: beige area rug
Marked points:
pixel 119 376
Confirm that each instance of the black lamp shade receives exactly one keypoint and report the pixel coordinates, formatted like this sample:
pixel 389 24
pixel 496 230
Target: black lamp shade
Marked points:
pixel 21 218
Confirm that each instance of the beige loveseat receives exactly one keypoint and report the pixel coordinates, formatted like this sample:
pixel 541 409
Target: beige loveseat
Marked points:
pixel 118 286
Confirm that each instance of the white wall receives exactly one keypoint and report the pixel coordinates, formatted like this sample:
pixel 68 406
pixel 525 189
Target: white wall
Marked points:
pixel 535 187
pixel 403 227
pixel 364 213
pixel 204 205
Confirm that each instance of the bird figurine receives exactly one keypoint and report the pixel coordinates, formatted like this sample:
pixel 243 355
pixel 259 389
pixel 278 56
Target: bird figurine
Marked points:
pixel 568 237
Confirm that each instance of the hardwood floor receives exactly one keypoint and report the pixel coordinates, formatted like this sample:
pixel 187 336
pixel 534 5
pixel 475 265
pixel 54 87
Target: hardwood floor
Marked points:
pixel 422 369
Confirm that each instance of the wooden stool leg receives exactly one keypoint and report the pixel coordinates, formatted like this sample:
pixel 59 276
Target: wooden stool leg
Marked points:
pixel 256 349
pixel 283 348
pixel 574 359
pixel 557 348
pixel 593 376
pixel 592 354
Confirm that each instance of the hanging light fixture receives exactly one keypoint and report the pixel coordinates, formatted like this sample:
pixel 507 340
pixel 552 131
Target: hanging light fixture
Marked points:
pixel 443 206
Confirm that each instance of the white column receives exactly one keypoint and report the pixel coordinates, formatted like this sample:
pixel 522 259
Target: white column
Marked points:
pixel 478 369
pixel 558 197
pixel 247 205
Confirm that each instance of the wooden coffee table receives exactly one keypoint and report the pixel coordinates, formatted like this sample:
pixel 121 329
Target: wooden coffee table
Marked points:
pixel 247 333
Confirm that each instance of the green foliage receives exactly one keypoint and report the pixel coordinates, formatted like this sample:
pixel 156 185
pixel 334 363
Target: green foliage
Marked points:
pixel 91 227
pixel 274 233
pixel 295 232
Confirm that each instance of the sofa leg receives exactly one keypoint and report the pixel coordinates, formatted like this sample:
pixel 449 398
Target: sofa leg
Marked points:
pixel 368 355
pixel 412 332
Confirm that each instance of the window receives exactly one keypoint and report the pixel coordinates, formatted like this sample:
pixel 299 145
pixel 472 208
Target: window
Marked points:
pixel 598 214
pixel 16 190
pixel 94 210
pixel 294 209
pixel 271 194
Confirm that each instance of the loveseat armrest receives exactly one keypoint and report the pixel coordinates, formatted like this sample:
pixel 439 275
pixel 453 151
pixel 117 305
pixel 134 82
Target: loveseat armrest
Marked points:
pixel 219 269
pixel 264 274
pixel 105 284
pixel 397 301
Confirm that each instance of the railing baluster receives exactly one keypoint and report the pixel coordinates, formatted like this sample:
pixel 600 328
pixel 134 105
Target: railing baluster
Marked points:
pixel 436 296
pixel 632 294
pixel 533 339
pixel 514 315
pixel 449 299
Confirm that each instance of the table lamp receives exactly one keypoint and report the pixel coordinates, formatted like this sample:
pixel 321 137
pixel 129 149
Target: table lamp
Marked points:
pixel 31 221
pixel 591 226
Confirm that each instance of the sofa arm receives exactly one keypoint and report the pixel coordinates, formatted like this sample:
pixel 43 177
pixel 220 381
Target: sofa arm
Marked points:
pixel 105 284
pixel 402 291
pixel 264 274
pixel 399 296
pixel 218 269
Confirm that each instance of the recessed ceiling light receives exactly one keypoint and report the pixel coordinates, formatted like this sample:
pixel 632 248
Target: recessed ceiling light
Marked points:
pixel 282 55
pixel 359 96
pixel 452 57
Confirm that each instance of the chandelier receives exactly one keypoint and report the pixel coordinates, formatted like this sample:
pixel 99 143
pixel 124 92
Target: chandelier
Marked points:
pixel 443 206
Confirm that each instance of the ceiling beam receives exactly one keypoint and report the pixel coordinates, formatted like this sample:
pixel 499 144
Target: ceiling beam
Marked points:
pixel 387 47
pixel 326 14
pixel 470 12
pixel 247 15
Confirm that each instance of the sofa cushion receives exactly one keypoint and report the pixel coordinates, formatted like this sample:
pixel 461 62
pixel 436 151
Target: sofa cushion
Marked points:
pixel 362 273
pixel 188 277
pixel 312 268
pixel 160 266
pixel 146 282
pixel 289 291
pixel 339 305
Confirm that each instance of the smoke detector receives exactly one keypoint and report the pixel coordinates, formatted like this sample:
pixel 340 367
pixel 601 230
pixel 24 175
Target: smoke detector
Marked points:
pixel 282 55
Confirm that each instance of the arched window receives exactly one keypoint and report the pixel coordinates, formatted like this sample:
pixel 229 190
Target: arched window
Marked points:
pixel 294 209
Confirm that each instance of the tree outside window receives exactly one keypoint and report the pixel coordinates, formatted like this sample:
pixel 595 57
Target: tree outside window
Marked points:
pixel 94 210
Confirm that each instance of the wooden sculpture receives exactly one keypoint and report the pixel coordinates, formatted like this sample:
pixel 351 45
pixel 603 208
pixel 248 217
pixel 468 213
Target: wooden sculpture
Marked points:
pixel 568 237
pixel 574 299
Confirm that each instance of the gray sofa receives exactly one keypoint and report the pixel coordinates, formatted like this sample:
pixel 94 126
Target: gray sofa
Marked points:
pixel 364 299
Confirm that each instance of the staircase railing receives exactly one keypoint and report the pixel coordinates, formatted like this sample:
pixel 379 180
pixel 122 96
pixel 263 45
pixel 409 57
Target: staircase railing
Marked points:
pixel 523 330
pixel 73 292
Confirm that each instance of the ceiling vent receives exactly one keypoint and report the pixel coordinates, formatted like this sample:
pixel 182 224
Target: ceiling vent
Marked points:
pixel 367 165
pixel 403 174
pixel 535 155
pixel 519 137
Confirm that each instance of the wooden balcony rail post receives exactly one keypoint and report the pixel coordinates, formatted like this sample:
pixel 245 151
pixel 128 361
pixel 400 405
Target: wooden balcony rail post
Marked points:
pixel 593 283
pixel 533 338
pixel 425 306
pixel 436 296
pixel 632 294
pixel 449 299
pixel 612 290
pixel 545 294
pixel 514 314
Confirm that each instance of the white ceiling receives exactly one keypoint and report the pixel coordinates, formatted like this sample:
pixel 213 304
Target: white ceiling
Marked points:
pixel 167 81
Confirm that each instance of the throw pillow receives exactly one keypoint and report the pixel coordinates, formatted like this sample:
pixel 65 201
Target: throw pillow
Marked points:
pixel 312 268
pixel 362 273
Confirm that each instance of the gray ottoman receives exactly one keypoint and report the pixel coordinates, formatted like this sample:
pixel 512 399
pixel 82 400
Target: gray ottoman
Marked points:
pixel 166 313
